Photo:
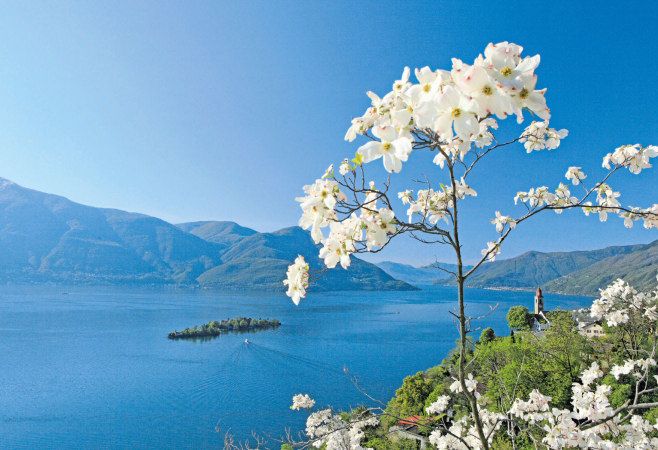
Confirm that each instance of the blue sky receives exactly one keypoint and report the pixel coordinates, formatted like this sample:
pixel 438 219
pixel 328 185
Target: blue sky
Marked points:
pixel 223 110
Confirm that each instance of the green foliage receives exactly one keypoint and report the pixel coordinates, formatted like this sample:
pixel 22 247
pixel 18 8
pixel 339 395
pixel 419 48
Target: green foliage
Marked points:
pixel 519 318
pixel 487 335
pixel 390 443
pixel 512 367
pixel 410 398
pixel 550 363
pixel 287 447
pixel 651 415
pixel 214 328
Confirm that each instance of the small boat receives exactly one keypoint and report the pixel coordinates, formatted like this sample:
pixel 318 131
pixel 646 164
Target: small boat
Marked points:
pixel 247 342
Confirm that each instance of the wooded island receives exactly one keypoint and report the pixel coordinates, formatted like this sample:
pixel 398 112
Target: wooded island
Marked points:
pixel 215 328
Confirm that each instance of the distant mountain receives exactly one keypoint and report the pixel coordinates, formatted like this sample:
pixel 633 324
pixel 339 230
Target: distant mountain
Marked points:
pixel 220 232
pixel 639 268
pixel 569 272
pixel 45 237
pixel 419 276
pixel 262 257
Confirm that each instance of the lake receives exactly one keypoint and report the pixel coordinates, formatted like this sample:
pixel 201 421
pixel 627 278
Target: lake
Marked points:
pixel 91 367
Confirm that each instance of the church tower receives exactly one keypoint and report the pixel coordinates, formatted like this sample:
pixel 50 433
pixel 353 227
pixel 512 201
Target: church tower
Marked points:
pixel 539 301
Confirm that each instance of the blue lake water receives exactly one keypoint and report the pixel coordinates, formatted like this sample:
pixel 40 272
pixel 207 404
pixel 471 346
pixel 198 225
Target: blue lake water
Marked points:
pixel 91 367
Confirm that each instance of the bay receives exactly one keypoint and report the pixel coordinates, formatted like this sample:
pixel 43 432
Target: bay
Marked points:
pixel 91 367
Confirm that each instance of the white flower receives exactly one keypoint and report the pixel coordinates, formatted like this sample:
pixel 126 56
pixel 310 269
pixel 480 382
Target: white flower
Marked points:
pixel 500 221
pixel 344 167
pixel 492 250
pixel 403 83
pixel 318 206
pixel 471 384
pixel 456 109
pixel 590 374
pixel 297 280
pixel 462 190
pixel 302 401
pixel 575 175
pixel 606 197
pixel 439 405
pixel 327 429
pixel 536 197
pixel 406 196
pixel 634 157
pixel 539 136
pixel 378 227
pixel 485 137
pixel 393 148
pixel 475 82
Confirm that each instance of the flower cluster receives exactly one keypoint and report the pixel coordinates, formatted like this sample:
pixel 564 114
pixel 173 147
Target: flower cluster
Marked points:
pixel 302 401
pixel 433 205
pixel 457 106
pixel 500 221
pixel 648 215
pixel 438 406
pixel 575 175
pixel 324 428
pixel 618 301
pixel 318 205
pixel 590 405
pixel 297 279
pixel 373 226
pixel 470 382
pixel 634 157
pixel 461 434
pixel 539 136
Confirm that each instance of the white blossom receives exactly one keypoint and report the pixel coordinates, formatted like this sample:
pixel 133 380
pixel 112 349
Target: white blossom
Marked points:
pixel 438 406
pixel 634 157
pixel 500 221
pixel 492 250
pixel 344 167
pixel 302 401
pixel 392 147
pixel 297 279
pixel 539 136
pixel 575 175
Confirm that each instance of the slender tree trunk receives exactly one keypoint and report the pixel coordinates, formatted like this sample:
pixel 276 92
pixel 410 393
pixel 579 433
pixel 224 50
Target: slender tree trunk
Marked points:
pixel 463 342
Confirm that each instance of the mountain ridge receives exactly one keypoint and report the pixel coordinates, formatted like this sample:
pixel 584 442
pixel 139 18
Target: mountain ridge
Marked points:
pixel 580 272
pixel 49 238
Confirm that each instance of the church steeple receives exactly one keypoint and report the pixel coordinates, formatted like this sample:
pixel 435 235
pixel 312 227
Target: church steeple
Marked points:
pixel 539 301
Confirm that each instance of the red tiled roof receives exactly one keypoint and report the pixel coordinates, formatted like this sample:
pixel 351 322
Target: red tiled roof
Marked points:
pixel 411 420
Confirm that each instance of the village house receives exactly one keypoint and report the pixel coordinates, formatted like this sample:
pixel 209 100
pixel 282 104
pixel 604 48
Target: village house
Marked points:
pixel 587 326
pixel 409 428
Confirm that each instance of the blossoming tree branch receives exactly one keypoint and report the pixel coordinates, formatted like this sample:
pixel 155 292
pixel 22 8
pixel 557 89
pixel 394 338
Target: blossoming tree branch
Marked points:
pixel 455 114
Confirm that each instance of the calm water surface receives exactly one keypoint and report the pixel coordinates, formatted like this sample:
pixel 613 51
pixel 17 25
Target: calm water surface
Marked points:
pixel 91 367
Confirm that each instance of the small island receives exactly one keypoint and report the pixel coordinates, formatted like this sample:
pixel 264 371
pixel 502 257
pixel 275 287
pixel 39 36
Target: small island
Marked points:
pixel 215 328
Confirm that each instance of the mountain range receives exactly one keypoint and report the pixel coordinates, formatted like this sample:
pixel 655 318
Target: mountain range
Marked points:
pixel 577 272
pixel 48 238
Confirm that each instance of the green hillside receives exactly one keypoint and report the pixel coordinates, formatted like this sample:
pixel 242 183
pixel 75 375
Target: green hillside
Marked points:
pixel 533 269
pixel 638 268
pixel 261 258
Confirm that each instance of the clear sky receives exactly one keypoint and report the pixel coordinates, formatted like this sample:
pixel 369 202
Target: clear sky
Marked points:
pixel 223 110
